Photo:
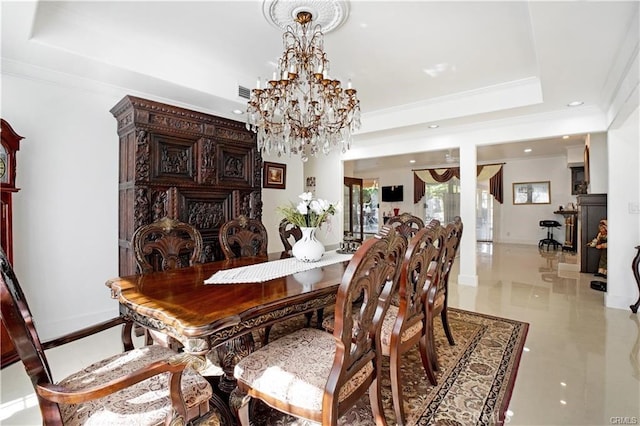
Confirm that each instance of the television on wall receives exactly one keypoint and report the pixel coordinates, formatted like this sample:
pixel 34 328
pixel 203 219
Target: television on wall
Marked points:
pixel 392 194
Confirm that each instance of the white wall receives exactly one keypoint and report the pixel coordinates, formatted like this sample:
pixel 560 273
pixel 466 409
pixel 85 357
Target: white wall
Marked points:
pixel 329 174
pixel 622 213
pixel 598 164
pixel 66 213
pixel 519 223
pixel 273 198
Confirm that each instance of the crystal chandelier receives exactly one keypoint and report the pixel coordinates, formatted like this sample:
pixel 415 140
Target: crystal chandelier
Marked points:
pixel 302 110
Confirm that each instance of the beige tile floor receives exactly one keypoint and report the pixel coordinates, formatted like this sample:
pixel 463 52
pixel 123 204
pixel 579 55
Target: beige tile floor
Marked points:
pixel 581 365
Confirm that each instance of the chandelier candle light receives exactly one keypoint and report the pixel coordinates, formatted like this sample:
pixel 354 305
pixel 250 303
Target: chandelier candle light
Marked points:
pixel 301 110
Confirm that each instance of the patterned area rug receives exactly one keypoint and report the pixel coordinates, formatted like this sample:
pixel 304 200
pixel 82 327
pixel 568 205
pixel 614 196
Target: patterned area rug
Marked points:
pixel 475 380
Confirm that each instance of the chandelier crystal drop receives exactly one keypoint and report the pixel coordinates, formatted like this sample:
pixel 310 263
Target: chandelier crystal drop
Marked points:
pixel 301 110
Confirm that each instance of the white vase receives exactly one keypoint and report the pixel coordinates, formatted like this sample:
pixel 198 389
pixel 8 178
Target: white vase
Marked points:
pixel 308 248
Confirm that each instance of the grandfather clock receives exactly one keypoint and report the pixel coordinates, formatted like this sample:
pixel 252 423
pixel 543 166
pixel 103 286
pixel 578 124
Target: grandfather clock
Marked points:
pixel 10 145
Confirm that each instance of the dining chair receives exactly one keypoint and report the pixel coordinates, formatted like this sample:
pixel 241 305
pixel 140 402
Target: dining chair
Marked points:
pixel 316 375
pixel 406 224
pixel 163 245
pixel 289 235
pixel 150 385
pixel 405 325
pixel 243 236
pixel 436 300
pixel 166 244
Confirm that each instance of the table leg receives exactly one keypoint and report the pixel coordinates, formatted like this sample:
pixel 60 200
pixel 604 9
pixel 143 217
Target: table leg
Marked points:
pixel 229 354
pixel 226 416
pixel 635 266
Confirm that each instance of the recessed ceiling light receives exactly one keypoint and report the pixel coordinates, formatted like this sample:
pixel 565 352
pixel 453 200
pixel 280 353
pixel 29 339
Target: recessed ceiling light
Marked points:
pixel 528 150
pixel 237 111
pixel 433 126
pixel 412 161
pixel 565 137
pixel 575 103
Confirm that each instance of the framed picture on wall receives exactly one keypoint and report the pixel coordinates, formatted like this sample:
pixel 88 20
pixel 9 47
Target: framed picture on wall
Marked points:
pixel 532 193
pixel 274 175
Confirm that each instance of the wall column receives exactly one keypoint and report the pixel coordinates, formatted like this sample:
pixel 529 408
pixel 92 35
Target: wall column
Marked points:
pixel 468 182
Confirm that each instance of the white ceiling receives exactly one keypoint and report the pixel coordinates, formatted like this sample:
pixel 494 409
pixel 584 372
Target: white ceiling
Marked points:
pixel 413 63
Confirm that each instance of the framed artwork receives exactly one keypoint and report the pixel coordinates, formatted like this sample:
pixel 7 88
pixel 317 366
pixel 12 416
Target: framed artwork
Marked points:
pixel 274 175
pixel 532 193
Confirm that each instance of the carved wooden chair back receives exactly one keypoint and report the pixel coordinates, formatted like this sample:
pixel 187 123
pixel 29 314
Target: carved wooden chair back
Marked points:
pixel 436 300
pixel 351 354
pixel 406 224
pixel 99 392
pixel 289 235
pixel 242 237
pixel 166 244
pixel 405 324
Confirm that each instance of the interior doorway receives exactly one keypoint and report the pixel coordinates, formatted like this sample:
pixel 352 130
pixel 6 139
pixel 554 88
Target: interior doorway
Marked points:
pixel 371 206
pixel 353 208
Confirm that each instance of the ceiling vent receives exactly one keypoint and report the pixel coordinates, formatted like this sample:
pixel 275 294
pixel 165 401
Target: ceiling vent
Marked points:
pixel 244 92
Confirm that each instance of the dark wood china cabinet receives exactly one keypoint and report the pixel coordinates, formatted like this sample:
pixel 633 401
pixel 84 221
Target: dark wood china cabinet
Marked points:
pixel 8 164
pixel 191 166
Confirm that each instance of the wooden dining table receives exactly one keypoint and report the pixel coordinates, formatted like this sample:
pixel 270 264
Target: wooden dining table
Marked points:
pixel 204 316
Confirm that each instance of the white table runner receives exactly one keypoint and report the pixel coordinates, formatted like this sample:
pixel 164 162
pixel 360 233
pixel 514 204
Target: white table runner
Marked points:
pixel 266 271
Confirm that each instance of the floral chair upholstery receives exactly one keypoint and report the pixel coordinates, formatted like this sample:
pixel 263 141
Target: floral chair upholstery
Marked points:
pixel 151 385
pixel 316 375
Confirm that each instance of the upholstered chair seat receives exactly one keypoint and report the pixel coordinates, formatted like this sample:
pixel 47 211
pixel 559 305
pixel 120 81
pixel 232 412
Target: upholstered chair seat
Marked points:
pixel 387 330
pixel 151 385
pixel 318 376
pixel 294 369
pixel 145 403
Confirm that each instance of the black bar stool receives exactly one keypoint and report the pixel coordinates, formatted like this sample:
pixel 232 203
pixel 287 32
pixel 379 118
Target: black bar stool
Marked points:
pixel 549 241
